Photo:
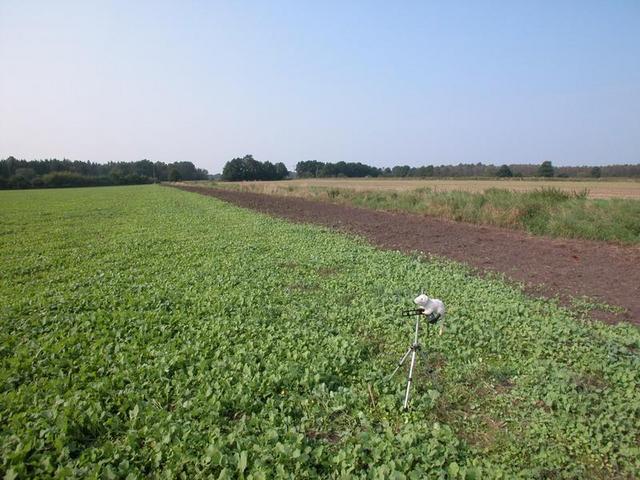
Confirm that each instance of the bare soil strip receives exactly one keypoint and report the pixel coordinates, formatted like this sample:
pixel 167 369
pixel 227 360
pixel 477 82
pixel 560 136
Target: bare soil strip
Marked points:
pixel 552 267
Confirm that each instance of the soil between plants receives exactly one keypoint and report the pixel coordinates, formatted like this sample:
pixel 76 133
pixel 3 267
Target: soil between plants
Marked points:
pixel 562 268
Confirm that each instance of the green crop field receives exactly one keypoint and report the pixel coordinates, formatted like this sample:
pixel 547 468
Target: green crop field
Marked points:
pixel 151 332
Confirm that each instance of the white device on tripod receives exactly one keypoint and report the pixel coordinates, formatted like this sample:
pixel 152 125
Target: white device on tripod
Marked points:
pixel 434 310
pixel 430 305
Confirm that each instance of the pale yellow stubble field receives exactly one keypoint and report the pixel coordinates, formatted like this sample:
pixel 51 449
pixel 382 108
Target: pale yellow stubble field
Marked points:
pixel 597 188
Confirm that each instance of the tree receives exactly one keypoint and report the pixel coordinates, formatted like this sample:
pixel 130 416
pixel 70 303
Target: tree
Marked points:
pixel 28 173
pixel 596 172
pixel 174 175
pixel 504 171
pixel 281 171
pixel 8 167
pixel 424 171
pixel 313 169
pixel 401 171
pixel 546 169
pixel 309 168
pixel 248 168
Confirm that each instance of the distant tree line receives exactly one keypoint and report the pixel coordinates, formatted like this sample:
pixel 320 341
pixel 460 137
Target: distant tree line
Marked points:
pixel 67 173
pixel 315 169
pixel 546 169
pixel 247 168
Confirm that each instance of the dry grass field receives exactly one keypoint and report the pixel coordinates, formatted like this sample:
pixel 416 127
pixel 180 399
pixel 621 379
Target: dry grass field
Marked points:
pixel 596 188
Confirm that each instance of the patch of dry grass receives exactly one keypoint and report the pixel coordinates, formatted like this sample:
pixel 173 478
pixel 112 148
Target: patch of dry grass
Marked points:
pixel 605 188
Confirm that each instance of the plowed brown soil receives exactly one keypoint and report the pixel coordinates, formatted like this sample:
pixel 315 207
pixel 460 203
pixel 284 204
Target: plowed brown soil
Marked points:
pixel 552 267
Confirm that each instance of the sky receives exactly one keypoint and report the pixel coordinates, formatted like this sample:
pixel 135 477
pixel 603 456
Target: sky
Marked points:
pixel 378 82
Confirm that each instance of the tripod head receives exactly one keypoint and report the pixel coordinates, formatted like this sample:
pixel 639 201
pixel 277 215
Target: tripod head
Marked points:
pixel 432 317
pixel 432 310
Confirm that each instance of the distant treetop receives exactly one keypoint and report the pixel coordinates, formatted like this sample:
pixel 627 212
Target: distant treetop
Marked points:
pixel 313 168
pixel 504 171
pixel 247 168
pixel 546 170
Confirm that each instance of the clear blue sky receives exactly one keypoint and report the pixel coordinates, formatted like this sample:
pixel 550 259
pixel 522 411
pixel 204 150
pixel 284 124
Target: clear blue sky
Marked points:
pixel 383 82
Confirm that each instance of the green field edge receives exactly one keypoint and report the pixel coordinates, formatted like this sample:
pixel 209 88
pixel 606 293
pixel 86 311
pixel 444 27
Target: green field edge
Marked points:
pixel 523 388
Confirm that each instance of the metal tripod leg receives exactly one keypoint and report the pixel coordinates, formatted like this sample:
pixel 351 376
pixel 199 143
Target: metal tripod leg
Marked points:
pixel 414 350
pixel 404 357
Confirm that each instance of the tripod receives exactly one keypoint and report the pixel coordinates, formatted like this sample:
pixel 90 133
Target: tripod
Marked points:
pixel 413 350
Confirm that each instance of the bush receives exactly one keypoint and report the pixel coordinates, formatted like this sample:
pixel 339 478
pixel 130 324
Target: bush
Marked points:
pixel 37 182
pixel 67 179
pixel 504 171
pixel 174 175
pixel 18 181
pixel 546 170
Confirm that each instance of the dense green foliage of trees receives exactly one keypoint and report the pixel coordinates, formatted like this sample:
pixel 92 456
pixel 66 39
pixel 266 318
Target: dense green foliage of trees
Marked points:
pixel 67 173
pixel 247 168
pixel 313 169
pixel 504 172
pixel 16 173
pixel 546 170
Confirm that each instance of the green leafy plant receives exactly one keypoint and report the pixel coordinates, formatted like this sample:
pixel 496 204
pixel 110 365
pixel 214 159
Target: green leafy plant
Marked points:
pixel 148 332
